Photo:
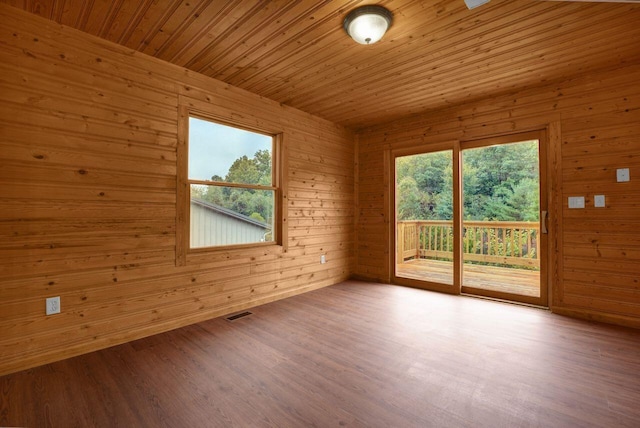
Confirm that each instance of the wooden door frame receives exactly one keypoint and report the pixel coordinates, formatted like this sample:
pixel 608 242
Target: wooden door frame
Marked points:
pixel 454 146
pixel 549 147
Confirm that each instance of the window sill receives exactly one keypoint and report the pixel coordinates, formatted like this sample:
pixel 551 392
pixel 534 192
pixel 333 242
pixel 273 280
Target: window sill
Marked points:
pixel 231 252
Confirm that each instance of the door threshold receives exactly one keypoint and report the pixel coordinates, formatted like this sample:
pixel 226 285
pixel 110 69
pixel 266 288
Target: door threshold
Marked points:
pixel 513 302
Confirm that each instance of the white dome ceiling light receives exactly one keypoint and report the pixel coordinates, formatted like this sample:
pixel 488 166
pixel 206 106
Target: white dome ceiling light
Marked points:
pixel 367 24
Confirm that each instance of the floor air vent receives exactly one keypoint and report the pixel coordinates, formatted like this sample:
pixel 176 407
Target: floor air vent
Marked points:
pixel 238 316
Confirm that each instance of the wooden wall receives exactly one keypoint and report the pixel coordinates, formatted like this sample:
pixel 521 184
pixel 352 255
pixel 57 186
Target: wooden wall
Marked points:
pixel 88 135
pixel 594 125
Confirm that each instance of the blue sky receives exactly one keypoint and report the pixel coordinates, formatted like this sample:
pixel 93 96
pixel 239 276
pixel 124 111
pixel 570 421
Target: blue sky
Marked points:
pixel 214 147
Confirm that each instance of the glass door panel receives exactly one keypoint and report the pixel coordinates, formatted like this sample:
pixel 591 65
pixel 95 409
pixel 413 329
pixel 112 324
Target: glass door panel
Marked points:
pixel 501 221
pixel 424 217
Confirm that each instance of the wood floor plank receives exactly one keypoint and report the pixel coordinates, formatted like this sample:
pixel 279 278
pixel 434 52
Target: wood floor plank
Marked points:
pixel 353 354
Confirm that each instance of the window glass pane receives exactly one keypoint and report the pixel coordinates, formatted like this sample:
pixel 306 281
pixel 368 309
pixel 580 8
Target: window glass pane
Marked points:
pixel 232 155
pixel 223 215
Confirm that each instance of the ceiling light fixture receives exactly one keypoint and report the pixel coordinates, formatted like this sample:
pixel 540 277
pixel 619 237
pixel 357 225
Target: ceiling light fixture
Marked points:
pixel 472 4
pixel 367 24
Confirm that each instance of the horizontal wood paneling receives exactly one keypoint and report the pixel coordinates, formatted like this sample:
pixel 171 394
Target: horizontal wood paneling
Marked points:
pixel 598 114
pixel 88 136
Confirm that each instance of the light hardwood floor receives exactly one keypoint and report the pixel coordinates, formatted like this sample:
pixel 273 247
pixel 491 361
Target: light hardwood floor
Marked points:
pixel 354 354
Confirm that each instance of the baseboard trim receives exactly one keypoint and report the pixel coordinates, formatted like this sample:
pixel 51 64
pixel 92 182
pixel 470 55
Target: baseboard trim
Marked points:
pixel 37 358
pixel 621 320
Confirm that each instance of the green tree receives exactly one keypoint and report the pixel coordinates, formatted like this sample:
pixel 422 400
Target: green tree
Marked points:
pixel 262 160
pixel 243 170
pixel 422 180
pixel 409 199
pixel 500 183
pixel 503 182
pixel 443 197
pixel 256 204
pixel 525 200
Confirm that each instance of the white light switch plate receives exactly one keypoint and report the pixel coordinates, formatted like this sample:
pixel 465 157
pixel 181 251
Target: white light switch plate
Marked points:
pixel 598 201
pixel 576 201
pixel 622 175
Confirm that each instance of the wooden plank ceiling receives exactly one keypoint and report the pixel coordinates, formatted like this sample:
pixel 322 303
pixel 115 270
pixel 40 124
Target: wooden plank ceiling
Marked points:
pixel 437 53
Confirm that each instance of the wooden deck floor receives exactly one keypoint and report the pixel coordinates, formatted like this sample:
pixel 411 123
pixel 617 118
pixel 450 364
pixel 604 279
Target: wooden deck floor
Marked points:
pixel 355 354
pixel 514 281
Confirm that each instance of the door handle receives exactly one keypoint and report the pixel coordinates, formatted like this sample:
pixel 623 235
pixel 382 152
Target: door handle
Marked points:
pixel 543 222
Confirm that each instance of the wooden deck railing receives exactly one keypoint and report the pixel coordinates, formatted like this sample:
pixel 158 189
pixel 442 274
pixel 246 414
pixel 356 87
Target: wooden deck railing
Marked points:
pixel 508 243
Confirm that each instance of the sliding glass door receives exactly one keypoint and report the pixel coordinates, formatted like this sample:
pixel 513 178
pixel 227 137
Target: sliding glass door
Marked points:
pixel 470 218
pixel 501 218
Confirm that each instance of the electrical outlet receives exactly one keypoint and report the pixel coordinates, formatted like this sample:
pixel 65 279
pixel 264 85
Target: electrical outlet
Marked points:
pixel 323 259
pixel 53 305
